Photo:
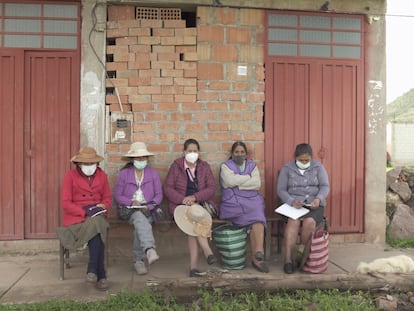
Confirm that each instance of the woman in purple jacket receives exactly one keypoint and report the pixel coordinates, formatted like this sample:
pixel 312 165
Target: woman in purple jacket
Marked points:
pixel 190 180
pixel 302 182
pixel 140 185
pixel 241 201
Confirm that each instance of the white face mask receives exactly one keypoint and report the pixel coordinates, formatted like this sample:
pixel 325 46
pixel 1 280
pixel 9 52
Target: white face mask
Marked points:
pixel 191 157
pixel 88 170
pixel 302 166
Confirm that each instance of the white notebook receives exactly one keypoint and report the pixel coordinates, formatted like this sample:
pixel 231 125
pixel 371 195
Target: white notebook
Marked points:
pixel 136 206
pixel 99 213
pixel 291 212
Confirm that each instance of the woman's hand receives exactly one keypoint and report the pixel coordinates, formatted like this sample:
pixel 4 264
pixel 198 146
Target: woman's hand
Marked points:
pixel 101 205
pixel 135 203
pixel 315 203
pixel 189 200
pixel 297 203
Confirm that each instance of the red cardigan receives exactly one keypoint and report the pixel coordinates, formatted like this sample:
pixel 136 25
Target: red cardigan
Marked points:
pixel 78 191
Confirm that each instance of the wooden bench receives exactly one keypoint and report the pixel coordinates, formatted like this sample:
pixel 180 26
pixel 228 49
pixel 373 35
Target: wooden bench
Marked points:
pixel 275 222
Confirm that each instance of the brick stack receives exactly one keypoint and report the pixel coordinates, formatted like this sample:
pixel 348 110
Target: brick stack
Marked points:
pixel 183 82
pixel 154 64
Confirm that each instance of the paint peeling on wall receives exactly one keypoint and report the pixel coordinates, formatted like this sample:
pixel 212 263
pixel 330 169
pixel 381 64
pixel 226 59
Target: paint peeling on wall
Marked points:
pixel 376 111
pixel 92 111
pixel 91 84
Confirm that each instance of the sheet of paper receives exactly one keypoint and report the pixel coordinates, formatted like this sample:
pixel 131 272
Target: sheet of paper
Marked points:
pixel 100 212
pixel 136 206
pixel 291 212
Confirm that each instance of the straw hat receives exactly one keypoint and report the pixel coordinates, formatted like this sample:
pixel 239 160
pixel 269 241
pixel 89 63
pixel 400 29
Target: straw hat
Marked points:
pixel 193 220
pixel 138 149
pixel 87 155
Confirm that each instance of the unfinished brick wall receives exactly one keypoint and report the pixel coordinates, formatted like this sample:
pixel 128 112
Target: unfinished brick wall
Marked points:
pixel 233 103
pixel 183 82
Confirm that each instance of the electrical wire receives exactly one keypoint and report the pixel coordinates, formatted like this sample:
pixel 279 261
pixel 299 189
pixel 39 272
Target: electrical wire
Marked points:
pixel 93 29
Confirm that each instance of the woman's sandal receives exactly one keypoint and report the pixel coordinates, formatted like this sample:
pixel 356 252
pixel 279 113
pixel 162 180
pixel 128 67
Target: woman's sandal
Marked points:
pixel 195 273
pixel 288 268
pixel 259 256
pixel 262 267
pixel 211 259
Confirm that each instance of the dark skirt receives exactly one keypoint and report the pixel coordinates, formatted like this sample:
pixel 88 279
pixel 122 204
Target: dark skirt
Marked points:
pixel 316 214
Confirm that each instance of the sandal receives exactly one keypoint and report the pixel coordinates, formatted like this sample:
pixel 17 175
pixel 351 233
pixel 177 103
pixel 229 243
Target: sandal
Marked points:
pixel 259 256
pixel 195 273
pixel 262 267
pixel 211 259
pixel 288 268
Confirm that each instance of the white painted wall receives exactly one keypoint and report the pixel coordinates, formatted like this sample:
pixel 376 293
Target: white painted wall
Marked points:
pixel 400 143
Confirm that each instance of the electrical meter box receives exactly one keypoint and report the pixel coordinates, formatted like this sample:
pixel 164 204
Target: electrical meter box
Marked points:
pixel 121 124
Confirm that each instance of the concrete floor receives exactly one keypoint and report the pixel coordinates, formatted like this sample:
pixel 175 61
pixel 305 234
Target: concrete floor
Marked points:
pixel 31 276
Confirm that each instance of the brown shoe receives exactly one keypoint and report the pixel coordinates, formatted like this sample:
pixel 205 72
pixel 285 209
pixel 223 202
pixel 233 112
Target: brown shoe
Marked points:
pixel 102 284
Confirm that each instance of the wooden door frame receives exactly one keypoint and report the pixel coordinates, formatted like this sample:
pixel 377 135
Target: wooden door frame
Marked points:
pixel 17 132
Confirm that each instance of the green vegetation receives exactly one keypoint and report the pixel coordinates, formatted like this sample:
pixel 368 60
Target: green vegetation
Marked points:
pixel 401 110
pixel 216 301
pixel 399 243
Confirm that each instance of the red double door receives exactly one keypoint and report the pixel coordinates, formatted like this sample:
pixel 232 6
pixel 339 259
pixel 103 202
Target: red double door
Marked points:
pixel 320 102
pixel 39 131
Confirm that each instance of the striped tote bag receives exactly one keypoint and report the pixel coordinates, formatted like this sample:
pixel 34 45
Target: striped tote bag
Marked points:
pixel 315 256
pixel 230 241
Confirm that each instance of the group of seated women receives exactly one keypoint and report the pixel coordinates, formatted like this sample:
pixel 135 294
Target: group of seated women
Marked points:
pixel 189 184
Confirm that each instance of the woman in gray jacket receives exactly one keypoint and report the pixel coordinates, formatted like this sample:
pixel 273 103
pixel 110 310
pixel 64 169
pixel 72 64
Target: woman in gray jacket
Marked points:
pixel 302 182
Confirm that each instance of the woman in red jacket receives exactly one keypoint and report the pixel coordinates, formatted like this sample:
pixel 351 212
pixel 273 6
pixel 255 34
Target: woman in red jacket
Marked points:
pixel 86 197
pixel 190 180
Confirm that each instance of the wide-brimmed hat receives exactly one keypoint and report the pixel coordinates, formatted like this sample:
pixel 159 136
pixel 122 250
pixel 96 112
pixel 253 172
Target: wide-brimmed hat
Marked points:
pixel 137 149
pixel 193 220
pixel 87 155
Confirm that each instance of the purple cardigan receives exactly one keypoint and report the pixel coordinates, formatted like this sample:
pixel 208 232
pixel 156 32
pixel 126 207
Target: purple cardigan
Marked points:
pixel 126 186
pixel 175 184
pixel 242 207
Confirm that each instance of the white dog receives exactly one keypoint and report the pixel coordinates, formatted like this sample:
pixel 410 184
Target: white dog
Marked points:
pixel 395 264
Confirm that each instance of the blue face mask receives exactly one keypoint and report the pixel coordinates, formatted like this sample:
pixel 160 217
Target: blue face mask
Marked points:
pixel 140 165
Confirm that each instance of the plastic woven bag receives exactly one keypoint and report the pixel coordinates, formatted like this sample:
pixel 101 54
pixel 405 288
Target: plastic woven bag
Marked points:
pixel 315 255
pixel 231 243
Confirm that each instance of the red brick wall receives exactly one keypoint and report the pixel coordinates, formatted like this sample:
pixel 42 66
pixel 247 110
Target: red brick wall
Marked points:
pixel 183 83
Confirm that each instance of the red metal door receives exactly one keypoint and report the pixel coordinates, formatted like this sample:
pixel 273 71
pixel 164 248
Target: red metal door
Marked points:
pixel 51 135
pixel 11 142
pixel 39 112
pixel 319 102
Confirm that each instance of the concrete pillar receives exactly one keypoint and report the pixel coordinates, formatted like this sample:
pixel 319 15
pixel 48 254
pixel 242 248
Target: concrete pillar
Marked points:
pixel 92 105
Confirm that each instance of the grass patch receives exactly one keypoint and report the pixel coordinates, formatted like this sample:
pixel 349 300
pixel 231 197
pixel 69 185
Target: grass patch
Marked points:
pixel 215 301
pixel 398 243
